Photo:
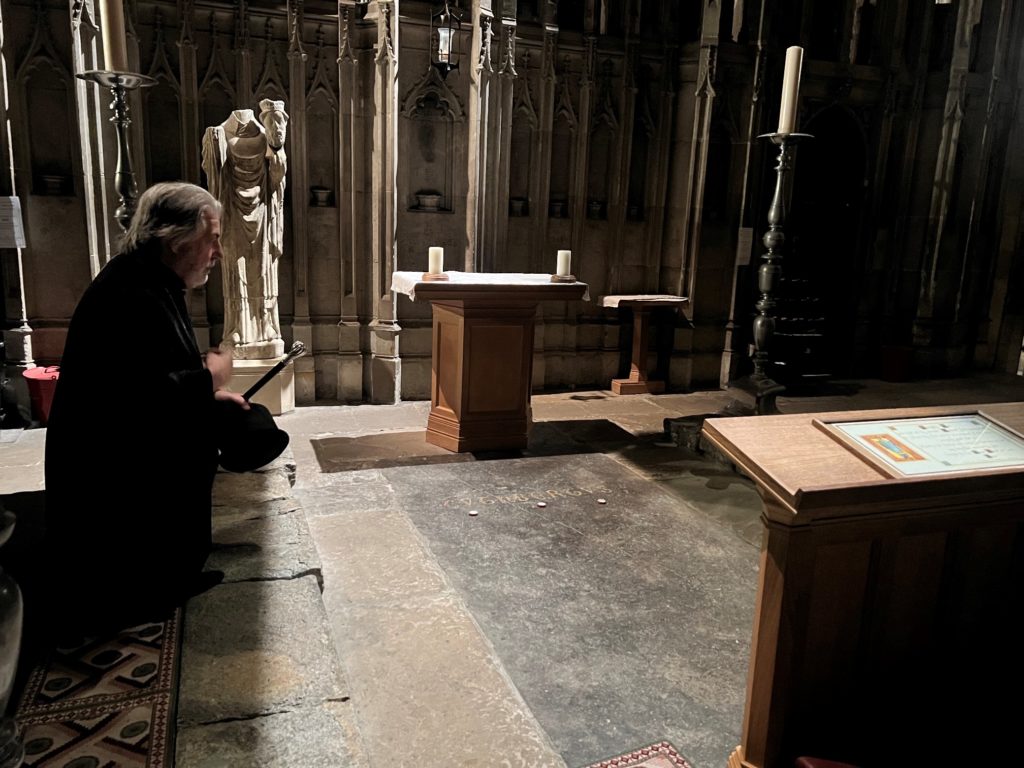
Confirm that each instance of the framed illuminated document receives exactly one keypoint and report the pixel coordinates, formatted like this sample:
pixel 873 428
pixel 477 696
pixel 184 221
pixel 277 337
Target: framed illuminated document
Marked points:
pixel 931 445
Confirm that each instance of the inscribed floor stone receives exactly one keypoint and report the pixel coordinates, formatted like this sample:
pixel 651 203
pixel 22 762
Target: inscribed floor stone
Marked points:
pixel 620 623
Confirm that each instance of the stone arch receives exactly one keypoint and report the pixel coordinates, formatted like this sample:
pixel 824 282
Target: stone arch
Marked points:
pixel 563 146
pixel 431 111
pixel 524 142
pixel 44 87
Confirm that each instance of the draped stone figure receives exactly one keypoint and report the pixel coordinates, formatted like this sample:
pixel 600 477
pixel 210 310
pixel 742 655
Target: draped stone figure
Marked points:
pixel 245 165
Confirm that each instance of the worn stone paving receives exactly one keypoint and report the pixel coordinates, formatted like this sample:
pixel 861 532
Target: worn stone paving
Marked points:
pixel 621 615
pixel 433 645
pixel 406 621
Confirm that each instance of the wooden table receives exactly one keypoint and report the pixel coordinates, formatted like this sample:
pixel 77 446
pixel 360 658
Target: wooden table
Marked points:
pixel 638 383
pixel 889 608
pixel 482 357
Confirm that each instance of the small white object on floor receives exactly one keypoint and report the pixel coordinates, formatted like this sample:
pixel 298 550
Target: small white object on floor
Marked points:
pixel 602 501
pixel 473 513
pixel 542 504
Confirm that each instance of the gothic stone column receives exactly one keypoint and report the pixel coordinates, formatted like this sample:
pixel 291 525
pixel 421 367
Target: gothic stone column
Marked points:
pixel 385 363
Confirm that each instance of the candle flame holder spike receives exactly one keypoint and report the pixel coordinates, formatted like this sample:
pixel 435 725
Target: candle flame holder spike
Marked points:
pixel 119 84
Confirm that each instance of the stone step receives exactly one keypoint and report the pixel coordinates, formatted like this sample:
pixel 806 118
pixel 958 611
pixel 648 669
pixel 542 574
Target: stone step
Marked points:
pixel 260 681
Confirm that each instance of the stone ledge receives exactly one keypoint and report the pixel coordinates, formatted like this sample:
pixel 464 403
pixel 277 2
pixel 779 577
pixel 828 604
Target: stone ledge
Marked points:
pixel 256 648
pixel 312 737
pixel 259 528
pixel 275 547
pixel 260 680
pixel 259 487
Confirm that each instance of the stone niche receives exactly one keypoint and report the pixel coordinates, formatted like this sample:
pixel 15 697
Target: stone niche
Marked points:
pixel 433 115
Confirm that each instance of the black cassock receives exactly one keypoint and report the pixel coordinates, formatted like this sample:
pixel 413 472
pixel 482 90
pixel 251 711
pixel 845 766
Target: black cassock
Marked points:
pixel 130 449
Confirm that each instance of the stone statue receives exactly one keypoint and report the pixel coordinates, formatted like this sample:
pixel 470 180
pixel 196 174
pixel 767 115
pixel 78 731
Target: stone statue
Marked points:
pixel 245 167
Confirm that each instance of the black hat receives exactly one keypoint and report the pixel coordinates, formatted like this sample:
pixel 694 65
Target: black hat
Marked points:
pixel 248 439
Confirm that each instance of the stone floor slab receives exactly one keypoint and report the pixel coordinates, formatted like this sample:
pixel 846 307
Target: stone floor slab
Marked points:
pixel 355 477
pixel 381 449
pixel 273 547
pixel 374 556
pixel 309 737
pixel 430 693
pixel 342 498
pixel 322 420
pixel 253 510
pixel 256 648
pixel 235 489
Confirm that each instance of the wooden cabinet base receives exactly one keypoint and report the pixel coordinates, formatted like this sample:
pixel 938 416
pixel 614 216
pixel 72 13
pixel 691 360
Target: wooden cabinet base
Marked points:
pixel 487 435
pixel 736 759
pixel 480 378
pixel 636 387
pixel 888 608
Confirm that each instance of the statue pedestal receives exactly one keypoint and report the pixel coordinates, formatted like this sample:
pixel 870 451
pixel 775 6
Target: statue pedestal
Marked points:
pixel 278 394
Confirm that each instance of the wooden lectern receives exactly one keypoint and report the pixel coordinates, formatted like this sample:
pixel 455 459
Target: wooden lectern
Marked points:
pixel 482 360
pixel 889 610
pixel 638 383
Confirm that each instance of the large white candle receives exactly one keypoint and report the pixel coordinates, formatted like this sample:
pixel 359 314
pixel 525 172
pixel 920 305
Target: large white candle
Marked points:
pixel 790 89
pixel 435 260
pixel 564 259
pixel 115 44
pixel 444 44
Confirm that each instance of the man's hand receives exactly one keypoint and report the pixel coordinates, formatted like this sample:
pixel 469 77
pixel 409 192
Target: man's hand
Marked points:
pixel 225 396
pixel 219 364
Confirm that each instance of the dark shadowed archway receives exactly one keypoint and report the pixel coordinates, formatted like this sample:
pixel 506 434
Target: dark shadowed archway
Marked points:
pixel 823 269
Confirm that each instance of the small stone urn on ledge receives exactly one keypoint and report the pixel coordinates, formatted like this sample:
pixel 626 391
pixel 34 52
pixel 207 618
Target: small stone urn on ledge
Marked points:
pixel 429 200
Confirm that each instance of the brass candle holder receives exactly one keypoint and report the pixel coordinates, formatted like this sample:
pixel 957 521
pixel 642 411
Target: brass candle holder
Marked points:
pixel 119 84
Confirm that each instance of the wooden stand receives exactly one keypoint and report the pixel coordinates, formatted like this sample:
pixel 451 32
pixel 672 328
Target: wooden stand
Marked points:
pixel 482 361
pixel 563 278
pixel 888 608
pixel 638 383
pixel 431 277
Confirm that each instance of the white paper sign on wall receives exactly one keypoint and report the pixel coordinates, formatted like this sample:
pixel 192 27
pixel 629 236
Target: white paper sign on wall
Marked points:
pixel 12 233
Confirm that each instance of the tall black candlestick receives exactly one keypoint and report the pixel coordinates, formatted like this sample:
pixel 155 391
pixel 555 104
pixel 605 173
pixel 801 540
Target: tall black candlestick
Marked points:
pixel 119 84
pixel 766 389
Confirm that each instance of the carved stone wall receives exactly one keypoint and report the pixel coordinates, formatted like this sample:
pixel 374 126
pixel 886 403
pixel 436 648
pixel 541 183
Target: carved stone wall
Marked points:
pixel 625 131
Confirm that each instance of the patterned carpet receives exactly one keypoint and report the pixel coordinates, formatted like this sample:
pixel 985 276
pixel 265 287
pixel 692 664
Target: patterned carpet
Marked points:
pixel 660 755
pixel 107 702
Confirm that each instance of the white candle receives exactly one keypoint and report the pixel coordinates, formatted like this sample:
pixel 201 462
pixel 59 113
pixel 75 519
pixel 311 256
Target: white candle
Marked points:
pixel 444 44
pixel 115 45
pixel 790 89
pixel 564 258
pixel 435 260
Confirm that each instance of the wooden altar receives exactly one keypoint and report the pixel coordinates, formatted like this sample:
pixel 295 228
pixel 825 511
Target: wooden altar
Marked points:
pixel 482 355
pixel 888 622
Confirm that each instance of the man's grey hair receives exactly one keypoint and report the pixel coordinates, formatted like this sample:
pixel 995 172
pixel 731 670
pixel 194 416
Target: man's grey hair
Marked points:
pixel 173 213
